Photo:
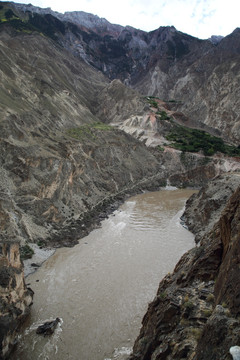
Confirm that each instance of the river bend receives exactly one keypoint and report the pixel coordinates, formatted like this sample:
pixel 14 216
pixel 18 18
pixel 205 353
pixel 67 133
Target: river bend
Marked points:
pixel 101 288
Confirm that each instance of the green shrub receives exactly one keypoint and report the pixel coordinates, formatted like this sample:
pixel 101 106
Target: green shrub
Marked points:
pixel 188 305
pixel 152 102
pixel 207 312
pixel 194 140
pixel 163 295
pixel 196 333
pixel 26 252
pixel 163 115
pixel 210 298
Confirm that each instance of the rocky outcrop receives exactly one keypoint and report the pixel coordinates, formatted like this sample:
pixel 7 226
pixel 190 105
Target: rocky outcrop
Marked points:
pixel 195 312
pixel 204 208
pixel 15 297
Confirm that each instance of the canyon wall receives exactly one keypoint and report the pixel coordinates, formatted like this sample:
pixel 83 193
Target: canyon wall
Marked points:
pixel 15 297
pixel 73 141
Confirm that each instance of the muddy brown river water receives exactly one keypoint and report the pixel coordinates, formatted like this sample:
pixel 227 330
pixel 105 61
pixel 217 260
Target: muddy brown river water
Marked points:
pixel 101 288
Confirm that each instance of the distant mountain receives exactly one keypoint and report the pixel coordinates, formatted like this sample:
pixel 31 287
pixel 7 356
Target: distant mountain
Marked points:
pixel 215 39
pixel 202 75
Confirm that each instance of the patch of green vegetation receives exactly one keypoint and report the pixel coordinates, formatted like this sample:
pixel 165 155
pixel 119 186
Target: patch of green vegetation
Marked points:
pixel 26 252
pixel 196 333
pixel 101 126
pixel 152 102
pixel 40 243
pixel 160 148
pixel 87 131
pixel 194 140
pixel 46 25
pixel 207 312
pixel 21 26
pixel 173 101
pixel 163 115
pixel 8 16
pixel 188 305
pixel 80 132
pixel 163 295
pixel 210 298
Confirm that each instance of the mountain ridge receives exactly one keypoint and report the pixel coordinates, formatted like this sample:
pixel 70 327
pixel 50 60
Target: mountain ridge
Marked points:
pixel 164 63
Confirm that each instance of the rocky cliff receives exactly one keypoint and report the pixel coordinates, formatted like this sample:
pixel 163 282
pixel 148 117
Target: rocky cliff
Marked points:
pixel 195 314
pixel 15 297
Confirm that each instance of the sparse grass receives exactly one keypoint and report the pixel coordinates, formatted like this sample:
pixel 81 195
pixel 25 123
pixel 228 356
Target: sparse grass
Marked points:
pixel 163 295
pixel 196 333
pixel 210 298
pixel 80 132
pixel 87 131
pixel 102 126
pixel 207 312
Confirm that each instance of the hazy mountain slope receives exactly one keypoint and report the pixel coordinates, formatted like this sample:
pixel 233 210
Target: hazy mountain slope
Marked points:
pixel 165 63
pixel 56 161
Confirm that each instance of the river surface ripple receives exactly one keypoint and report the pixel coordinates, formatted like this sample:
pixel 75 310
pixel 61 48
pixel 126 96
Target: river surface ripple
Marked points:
pixel 101 288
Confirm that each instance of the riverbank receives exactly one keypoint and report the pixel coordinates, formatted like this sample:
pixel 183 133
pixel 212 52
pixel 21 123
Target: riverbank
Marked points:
pixel 95 286
pixel 90 222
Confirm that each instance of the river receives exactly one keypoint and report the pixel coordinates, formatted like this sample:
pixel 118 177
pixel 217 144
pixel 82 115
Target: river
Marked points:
pixel 101 288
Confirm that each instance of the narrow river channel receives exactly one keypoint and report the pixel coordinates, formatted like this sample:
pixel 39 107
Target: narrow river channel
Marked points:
pixel 101 288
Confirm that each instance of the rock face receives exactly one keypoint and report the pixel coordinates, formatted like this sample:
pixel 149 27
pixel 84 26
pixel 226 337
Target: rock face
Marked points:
pixel 204 209
pixel 15 298
pixel 195 312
